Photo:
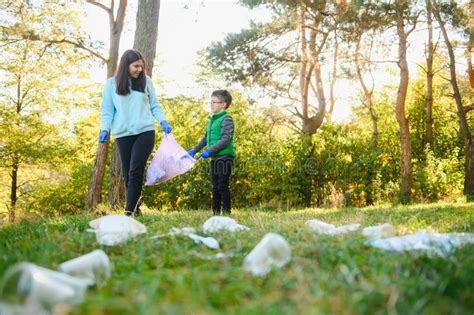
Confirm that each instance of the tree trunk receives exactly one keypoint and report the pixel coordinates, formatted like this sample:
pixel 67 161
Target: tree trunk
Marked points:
pixel 368 98
pixel 94 194
pixel 369 196
pixel 313 123
pixel 429 80
pixel 146 35
pixel 463 125
pixel 310 68
pixel 146 32
pixel 470 51
pixel 405 144
pixel 13 189
pixel 117 185
pixel 332 99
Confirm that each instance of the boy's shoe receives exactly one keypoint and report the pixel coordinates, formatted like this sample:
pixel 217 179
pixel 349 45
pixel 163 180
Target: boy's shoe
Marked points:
pixel 128 213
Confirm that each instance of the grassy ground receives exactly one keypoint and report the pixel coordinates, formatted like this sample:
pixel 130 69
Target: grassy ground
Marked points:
pixel 336 275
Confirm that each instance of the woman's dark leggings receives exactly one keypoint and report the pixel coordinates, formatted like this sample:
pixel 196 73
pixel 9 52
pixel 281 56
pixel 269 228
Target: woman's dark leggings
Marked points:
pixel 134 152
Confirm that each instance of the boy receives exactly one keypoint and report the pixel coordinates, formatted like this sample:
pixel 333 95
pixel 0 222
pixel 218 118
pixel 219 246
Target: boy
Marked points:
pixel 219 140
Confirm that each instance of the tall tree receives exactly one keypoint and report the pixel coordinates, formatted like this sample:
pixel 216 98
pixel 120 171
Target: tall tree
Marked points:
pixel 405 142
pixel 146 32
pixel 461 110
pixel 368 90
pixel 334 77
pixel 470 51
pixel 116 21
pixel 403 16
pixel 429 78
pixel 146 35
pixel 284 55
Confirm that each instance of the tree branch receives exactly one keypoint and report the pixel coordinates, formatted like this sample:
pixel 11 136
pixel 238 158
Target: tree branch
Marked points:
pixel 100 5
pixel 415 19
pixel 313 28
pixel 468 108
pixel 81 46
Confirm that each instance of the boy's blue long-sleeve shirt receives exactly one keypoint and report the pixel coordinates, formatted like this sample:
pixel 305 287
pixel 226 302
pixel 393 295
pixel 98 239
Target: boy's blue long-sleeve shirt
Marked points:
pixel 131 114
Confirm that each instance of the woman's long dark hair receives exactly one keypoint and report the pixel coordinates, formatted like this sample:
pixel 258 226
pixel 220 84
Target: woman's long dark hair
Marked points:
pixel 122 75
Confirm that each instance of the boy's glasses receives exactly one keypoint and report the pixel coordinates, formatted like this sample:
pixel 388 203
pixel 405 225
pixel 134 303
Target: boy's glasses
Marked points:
pixel 215 102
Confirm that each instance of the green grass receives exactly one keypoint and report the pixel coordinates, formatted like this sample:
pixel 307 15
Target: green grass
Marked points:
pixel 327 275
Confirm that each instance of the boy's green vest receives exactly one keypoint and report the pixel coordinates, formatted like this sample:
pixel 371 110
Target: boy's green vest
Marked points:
pixel 214 134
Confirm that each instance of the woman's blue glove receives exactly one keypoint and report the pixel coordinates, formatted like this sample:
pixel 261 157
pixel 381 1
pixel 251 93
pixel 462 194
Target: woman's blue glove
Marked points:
pixel 166 127
pixel 103 136
pixel 191 153
pixel 205 154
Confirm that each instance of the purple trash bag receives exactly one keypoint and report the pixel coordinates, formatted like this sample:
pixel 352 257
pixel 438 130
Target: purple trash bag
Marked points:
pixel 170 160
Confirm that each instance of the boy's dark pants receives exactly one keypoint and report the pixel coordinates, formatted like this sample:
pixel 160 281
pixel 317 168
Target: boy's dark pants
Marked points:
pixel 134 152
pixel 221 170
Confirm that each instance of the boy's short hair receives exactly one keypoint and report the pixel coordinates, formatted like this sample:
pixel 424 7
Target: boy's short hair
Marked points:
pixel 223 95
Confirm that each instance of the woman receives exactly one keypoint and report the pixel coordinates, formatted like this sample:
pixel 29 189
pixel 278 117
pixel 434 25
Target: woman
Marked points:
pixel 129 107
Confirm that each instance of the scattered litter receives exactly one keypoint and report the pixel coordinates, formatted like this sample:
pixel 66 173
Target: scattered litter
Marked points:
pixel 321 227
pixel 183 231
pixel 93 267
pixel 379 231
pixel 435 243
pixel 273 251
pixel 208 241
pixel 170 160
pixel 34 287
pixel 115 229
pixel 217 223
pixel 175 231
pixel 213 256
pixel 14 309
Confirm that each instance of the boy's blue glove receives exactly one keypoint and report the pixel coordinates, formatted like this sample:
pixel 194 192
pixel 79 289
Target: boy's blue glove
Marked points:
pixel 166 127
pixel 205 154
pixel 191 153
pixel 103 136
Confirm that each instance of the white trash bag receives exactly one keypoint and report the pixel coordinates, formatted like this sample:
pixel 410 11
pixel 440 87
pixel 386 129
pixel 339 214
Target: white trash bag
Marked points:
pixel 218 223
pixel 321 227
pixel 35 287
pixel 379 231
pixel 93 267
pixel 273 251
pixel 170 160
pixel 115 229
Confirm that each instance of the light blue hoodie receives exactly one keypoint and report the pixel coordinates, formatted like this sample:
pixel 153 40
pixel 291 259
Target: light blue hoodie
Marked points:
pixel 131 114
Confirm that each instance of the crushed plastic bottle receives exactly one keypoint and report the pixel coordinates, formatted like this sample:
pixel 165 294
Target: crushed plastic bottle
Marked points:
pixel 220 223
pixel 433 243
pixel 93 267
pixel 321 227
pixel 379 231
pixel 116 229
pixel 273 251
pixel 208 241
pixel 36 287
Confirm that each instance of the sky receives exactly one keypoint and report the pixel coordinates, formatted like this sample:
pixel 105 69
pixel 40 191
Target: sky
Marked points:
pixel 188 26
